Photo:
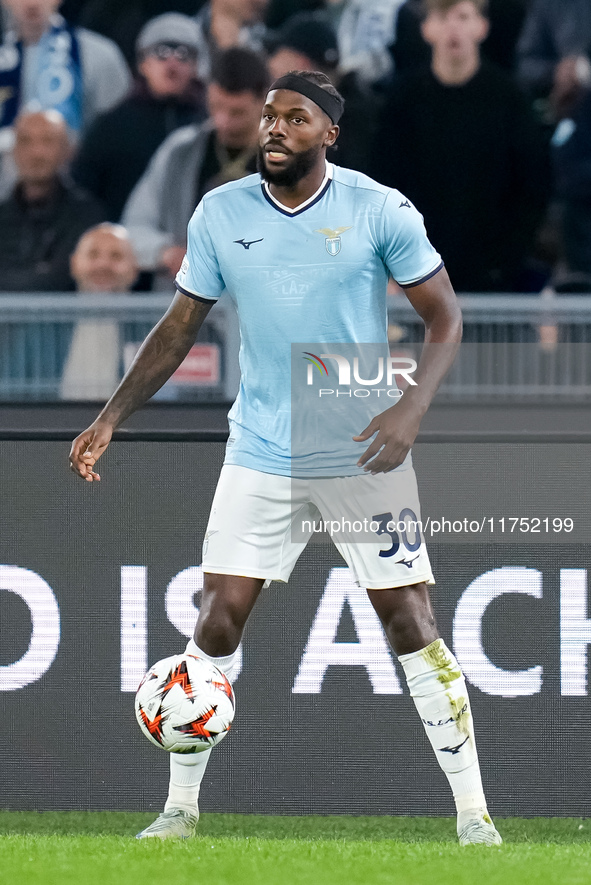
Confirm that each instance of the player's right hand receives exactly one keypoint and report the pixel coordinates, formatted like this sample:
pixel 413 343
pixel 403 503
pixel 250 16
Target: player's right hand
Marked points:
pixel 87 449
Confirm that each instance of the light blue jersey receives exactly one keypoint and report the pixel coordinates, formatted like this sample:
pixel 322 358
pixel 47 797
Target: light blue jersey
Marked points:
pixel 314 275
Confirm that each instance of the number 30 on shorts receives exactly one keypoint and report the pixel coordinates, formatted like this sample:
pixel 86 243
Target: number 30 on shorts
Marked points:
pixel 397 530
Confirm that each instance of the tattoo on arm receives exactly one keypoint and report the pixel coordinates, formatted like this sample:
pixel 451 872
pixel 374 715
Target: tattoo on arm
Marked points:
pixel 189 312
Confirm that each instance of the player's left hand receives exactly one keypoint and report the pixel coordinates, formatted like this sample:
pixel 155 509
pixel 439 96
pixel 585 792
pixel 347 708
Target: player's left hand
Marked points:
pixel 396 430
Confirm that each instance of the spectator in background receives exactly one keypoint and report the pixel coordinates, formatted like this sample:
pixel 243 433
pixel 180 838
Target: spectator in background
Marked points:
pixel 46 64
pixel 365 30
pixel 123 21
pixel 102 262
pixel 45 215
pixel 554 53
pixel 458 139
pixel 224 24
pixel 307 42
pixel 118 146
pixel 195 159
pixel 505 18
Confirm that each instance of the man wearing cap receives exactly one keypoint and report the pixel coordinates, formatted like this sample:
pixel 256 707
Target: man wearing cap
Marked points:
pixel 305 250
pixel 167 95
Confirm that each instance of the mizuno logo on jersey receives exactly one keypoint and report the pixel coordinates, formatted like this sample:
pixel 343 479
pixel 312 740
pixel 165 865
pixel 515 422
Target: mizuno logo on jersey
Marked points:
pixel 405 205
pixel 333 238
pixel 248 243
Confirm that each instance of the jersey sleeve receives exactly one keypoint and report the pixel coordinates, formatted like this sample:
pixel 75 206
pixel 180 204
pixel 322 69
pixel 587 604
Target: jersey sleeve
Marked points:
pixel 407 252
pixel 200 276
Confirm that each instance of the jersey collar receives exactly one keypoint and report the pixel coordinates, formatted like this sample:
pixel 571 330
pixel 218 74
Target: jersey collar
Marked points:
pixel 285 210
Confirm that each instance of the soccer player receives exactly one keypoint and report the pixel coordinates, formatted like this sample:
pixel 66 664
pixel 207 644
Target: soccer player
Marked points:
pixel 338 235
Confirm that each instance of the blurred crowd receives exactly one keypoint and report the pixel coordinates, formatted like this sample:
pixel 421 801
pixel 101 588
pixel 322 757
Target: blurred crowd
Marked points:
pixel 127 113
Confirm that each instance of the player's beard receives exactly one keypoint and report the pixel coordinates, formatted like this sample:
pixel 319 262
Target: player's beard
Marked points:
pixel 300 165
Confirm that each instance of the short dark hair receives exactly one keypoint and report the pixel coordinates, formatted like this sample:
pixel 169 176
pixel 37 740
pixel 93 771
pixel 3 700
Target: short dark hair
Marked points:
pixel 323 81
pixel 240 70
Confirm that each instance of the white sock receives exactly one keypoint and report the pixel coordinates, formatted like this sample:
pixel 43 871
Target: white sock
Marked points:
pixel 225 663
pixel 186 774
pixel 187 771
pixel 439 691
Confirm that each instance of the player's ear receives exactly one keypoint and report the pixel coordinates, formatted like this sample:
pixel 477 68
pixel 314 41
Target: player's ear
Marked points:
pixel 331 136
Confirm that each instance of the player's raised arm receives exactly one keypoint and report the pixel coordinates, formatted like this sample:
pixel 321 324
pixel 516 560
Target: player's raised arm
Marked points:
pixel 396 429
pixel 159 356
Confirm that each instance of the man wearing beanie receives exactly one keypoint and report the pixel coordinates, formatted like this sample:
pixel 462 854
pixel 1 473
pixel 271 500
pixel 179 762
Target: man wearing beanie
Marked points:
pixel 166 95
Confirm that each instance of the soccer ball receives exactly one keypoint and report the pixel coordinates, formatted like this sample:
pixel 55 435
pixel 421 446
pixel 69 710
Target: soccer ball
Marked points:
pixel 184 704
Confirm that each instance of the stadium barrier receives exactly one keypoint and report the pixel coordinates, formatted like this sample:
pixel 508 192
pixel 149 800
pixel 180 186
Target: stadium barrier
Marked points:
pixel 96 583
pixel 514 347
pixel 76 347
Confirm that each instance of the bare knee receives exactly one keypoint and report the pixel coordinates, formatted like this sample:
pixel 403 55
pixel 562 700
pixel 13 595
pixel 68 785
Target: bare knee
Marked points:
pixel 407 616
pixel 217 634
pixel 226 604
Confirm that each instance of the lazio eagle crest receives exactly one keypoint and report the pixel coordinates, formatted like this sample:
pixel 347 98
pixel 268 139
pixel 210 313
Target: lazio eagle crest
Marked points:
pixel 333 238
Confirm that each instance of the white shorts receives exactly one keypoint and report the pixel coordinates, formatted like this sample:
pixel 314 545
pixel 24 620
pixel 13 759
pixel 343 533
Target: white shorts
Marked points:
pixel 260 523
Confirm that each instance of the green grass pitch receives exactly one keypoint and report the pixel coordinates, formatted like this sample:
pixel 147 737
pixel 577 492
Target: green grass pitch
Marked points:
pixel 98 848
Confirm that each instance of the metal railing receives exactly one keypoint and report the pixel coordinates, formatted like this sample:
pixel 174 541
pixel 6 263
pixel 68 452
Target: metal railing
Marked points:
pixel 67 346
pixel 515 347
pixel 77 347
